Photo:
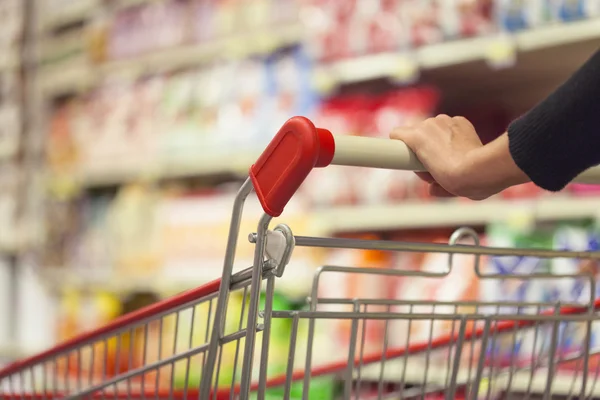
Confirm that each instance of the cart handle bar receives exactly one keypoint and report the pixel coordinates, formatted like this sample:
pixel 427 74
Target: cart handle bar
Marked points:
pixel 299 147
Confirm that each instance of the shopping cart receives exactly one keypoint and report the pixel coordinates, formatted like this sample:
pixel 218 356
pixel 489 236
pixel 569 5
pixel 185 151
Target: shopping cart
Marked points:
pixel 221 350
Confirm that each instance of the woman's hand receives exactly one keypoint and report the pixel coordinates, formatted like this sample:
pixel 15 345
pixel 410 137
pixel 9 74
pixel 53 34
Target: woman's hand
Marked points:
pixel 458 164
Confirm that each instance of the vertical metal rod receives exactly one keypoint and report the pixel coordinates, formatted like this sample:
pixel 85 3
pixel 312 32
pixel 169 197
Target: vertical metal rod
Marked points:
pixel 383 356
pixel 255 289
pixel 220 358
pixel 481 362
pixel 471 354
pixel 551 353
pixel 130 359
pixel 351 351
pixel 13 300
pixel 593 387
pixel 45 380
pixel 492 357
pixel 219 324
pixel 55 379
pixel 91 370
pixel 574 380
pixel 309 348
pixel 448 366
pixel 406 346
pixel 586 354
pixel 118 361
pixel 10 385
pixel 33 380
pixel 105 365
pixel 360 354
pixel 160 338
pixel 80 369
pixel 266 335
pixel 451 393
pixel 24 385
pixel 428 356
pixel 66 377
pixel 290 367
pixel 533 360
pixel 144 360
pixel 513 347
pixel 237 343
pixel 204 356
pixel 174 351
pixel 188 360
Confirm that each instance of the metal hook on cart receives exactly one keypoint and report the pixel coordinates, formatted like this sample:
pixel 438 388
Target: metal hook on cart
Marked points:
pixel 280 243
pixel 462 233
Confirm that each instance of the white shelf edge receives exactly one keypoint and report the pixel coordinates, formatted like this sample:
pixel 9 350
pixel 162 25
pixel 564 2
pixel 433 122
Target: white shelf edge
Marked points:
pixel 295 282
pixel 82 10
pixel 451 213
pixel 458 51
pixel 236 163
pixel 558 34
pixel 76 76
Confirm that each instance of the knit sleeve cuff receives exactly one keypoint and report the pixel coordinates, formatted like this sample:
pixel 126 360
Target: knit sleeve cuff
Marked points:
pixel 536 158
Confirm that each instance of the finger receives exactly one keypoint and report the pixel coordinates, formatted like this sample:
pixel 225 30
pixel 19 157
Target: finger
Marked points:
pixel 436 190
pixel 462 122
pixel 407 135
pixel 446 119
pixel 442 123
pixel 425 176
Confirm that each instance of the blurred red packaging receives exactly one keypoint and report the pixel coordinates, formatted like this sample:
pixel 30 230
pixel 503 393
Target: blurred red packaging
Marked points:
pixel 405 107
pixel 343 115
pixel 422 17
pixel 584 190
pixel 376 116
pixel 524 191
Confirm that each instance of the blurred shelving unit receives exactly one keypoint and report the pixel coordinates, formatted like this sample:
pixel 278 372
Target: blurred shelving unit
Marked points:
pixel 53 18
pixel 574 40
pixel 235 164
pixel 353 219
pixel 453 214
pixel 80 75
pixel 461 68
pixel 296 282
pixel 18 118
pixel 491 49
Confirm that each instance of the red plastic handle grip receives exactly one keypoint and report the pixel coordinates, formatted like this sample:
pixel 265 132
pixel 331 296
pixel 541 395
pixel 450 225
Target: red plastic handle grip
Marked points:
pixel 295 150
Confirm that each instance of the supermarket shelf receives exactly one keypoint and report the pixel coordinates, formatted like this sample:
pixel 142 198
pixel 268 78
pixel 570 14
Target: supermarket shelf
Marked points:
pixel 124 4
pixel 191 55
pixel 564 383
pixel 59 279
pixel 77 11
pixel 209 165
pixel 76 75
pixel 453 213
pixel 80 75
pixel 296 281
pixel 73 76
pixel 403 66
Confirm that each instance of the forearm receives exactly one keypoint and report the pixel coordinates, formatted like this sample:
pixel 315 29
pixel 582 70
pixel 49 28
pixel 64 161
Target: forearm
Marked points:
pixel 560 137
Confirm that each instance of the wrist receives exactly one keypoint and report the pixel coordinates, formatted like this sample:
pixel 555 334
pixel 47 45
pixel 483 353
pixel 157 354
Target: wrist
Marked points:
pixel 492 169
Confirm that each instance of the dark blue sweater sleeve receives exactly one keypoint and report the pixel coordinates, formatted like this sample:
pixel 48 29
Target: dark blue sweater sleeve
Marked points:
pixel 560 137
